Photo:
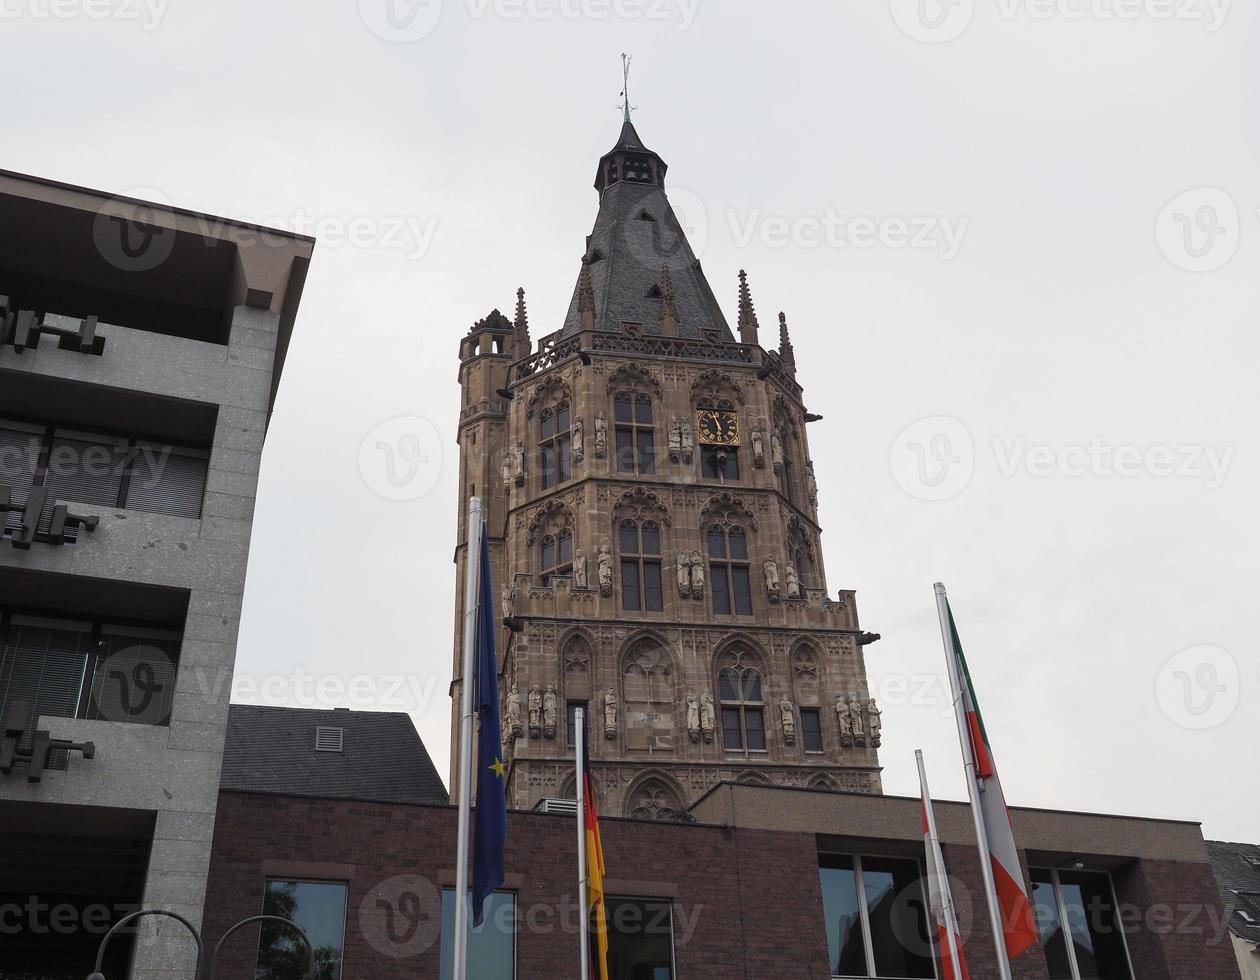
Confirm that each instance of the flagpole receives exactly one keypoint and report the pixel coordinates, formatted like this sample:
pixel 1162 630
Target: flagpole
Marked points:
pixel 472 578
pixel 942 880
pixel 973 784
pixel 584 938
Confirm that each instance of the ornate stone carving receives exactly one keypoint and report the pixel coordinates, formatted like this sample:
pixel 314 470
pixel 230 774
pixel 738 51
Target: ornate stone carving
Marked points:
pixel 714 385
pixel 789 721
pixel 697 576
pixel 554 387
pixel 707 716
pixel 693 716
pixel 578 443
pixel 518 464
pixel 875 722
pixel 635 376
pixel 776 451
pixel 605 570
pixel 581 579
pixel 551 518
pixel 844 720
pixel 727 501
pixel 684 574
pixel 771 568
pixel 675 439
pixel 549 711
pixel 610 715
pixel 507 468
pixel 855 714
pixel 601 436
pixel 811 484
pixel 757 440
pixel 688 440
pixel 639 503
pixel 508 597
pixel 535 711
pixel 513 725
pixel 793 582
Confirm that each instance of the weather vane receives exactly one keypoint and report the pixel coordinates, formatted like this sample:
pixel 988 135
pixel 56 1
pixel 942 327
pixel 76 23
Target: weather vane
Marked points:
pixel 625 106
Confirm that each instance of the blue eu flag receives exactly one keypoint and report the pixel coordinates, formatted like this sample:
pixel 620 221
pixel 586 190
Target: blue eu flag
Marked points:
pixel 490 819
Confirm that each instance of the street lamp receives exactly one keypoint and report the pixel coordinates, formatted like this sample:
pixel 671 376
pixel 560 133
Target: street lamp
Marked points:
pixel 214 956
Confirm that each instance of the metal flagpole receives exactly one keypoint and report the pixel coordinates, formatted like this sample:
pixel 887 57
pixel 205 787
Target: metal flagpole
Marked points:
pixel 973 784
pixel 942 879
pixel 472 578
pixel 584 937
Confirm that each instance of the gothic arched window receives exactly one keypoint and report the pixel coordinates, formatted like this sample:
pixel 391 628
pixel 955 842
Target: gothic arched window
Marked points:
pixel 647 694
pixel 654 799
pixel 555 445
pixel 729 574
pixel 639 544
pixel 555 557
pixel 742 703
pixel 635 434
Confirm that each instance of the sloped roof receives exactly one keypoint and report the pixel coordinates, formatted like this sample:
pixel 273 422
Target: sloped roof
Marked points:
pixel 1238 878
pixel 272 750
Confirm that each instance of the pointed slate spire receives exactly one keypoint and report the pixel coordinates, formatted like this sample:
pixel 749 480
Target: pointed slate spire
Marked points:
pixel 586 296
pixel 669 308
pixel 748 324
pixel 521 344
pixel 786 351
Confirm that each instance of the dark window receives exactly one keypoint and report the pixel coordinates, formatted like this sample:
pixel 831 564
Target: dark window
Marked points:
pixel 811 729
pixel 491 945
pixel 719 462
pixel 555 445
pixel 318 908
pixel 876 917
pixel 640 939
pixel 743 720
pixel 555 556
pixel 105 471
pixel 640 547
pixel 1077 924
pixel 728 570
pixel 632 417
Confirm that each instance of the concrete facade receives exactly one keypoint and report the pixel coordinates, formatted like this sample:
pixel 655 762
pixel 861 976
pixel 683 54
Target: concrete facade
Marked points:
pixel 170 770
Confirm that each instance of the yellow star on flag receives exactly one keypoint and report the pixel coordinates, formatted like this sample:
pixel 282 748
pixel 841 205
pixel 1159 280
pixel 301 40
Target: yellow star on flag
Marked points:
pixel 496 767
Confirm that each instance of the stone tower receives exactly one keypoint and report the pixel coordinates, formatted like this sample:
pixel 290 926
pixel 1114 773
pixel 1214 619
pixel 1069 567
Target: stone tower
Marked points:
pixel 652 515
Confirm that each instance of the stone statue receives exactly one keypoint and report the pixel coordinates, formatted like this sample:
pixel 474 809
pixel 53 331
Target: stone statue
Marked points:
pixel 697 576
pixel 610 715
pixel 675 438
pixel 519 464
pixel 508 598
pixel 513 714
pixel 505 468
pixel 875 722
pixel 693 716
pixel 789 721
pixel 581 578
pixel 793 581
pixel 855 715
pixel 549 712
pixel 845 720
pixel 758 448
pixel 811 484
pixel 684 574
pixel 776 451
pixel 605 570
pixel 535 711
pixel 771 568
pixel 579 441
pixel 687 439
pixel 706 716
pixel 601 435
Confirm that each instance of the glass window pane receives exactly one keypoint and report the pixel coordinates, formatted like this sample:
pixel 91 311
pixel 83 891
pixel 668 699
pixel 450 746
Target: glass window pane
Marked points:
pixel 1096 936
pixel 756 729
pixel 19 459
pixel 548 465
pixel 708 463
pixel 647 452
pixel 643 410
pixel 717 543
pixel 43 666
pixel 651 539
pixel 562 418
pixel 752 686
pixel 640 939
pixel 86 471
pixel 739 544
pixel 732 734
pixel 731 471
pixel 630 585
pixel 811 729
pixel 728 685
pixel 318 908
pixel 548 553
pixel 897 912
pixel 622 411
pixel 491 945
pixel 566 547
pixel 166 481
pixel 743 591
pixel 720 590
pixel 564 456
pixel 1050 926
pixel 845 944
pixel 547 427
pixel 625 450
pixel 628 539
pixel 134 679
pixel 653 597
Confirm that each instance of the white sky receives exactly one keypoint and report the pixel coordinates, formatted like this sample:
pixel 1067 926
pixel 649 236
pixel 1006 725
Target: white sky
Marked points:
pixel 1053 135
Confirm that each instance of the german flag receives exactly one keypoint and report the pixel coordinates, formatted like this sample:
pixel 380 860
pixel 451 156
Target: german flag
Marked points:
pixel 594 873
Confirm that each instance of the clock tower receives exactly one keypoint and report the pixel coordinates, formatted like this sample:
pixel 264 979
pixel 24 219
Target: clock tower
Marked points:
pixel 653 525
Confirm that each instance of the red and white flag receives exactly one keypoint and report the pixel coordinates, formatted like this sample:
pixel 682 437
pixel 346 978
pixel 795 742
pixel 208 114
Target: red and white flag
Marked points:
pixel 939 897
pixel 1019 930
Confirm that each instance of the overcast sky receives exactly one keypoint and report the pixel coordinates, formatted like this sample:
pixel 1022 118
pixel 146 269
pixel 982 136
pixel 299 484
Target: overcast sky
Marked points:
pixel 1017 246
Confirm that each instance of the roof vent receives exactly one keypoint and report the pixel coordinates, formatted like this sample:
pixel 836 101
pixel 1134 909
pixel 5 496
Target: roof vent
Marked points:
pixel 328 739
pixel 568 807
pixel 644 216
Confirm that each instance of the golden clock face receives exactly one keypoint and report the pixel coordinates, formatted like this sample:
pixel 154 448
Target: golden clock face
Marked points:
pixel 717 428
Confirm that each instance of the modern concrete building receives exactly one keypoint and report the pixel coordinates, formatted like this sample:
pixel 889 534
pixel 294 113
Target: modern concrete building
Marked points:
pixel 140 351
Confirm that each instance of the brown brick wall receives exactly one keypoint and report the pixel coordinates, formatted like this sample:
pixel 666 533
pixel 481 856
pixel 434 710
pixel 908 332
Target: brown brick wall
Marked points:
pixel 747 903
